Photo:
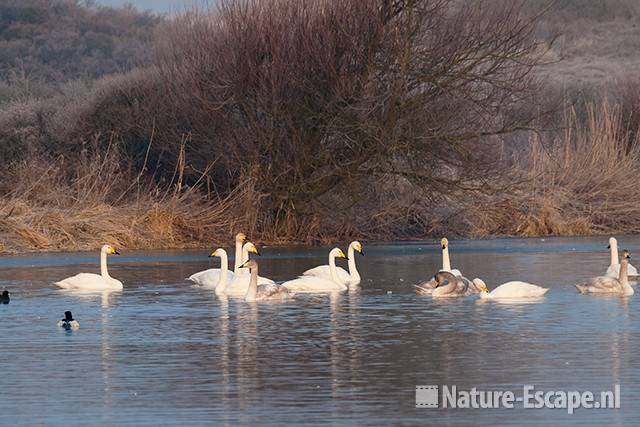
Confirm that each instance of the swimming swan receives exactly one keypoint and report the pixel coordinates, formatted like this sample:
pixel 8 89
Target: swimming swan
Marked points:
pixel 211 277
pixel 320 284
pixel 352 278
pixel 223 281
pixel 240 282
pixel 449 285
pixel 614 268
pixel 610 285
pixel 269 291
pixel 513 289
pixel 446 262
pixel 68 322
pixel 94 282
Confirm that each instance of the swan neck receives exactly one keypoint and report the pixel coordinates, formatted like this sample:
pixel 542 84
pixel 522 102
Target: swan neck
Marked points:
pixel 253 286
pixel 224 273
pixel 623 277
pixel 614 253
pixel 103 265
pixel 237 262
pixel 446 262
pixel 353 271
pixel 244 258
pixel 332 267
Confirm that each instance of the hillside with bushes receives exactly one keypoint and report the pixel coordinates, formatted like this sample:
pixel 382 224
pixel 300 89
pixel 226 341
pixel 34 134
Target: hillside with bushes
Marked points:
pixel 305 121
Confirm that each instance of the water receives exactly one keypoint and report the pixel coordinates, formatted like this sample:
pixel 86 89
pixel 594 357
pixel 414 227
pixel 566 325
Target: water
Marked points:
pixel 164 352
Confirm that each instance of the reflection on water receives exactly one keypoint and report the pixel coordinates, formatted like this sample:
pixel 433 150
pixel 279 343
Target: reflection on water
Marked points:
pixel 165 352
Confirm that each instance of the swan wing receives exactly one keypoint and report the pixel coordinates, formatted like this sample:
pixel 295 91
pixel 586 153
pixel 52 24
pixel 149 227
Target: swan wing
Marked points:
pixel 426 288
pixel 517 289
pixel 325 272
pixel 601 284
pixel 614 271
pixel 89 281
pixel 313 284
pixel 271 291
pixel 209 277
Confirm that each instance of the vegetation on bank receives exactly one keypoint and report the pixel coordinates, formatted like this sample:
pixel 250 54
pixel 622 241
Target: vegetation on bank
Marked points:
pixel 306 121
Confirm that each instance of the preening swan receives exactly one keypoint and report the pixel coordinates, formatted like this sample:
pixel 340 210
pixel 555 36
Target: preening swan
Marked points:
pixel 269 291
pixel 240 283
pixel 614 268
pixel 513 289
pixel 449 285
pixel 211 277
pixel 94 282
pixel 610 285
pixel 68 322
pixel 426 288
pixel 352 278
pixel 320 284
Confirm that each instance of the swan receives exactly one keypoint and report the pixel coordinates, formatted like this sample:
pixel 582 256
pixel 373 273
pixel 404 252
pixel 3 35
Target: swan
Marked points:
pixel 614 268
pixel 449 285
pixel 446 262
pixel 426 288
pixel 240 282
pixel 94 282
pixel 610 285
pixel 513 289
pixel 4 299
pixel 223 278
pixel 352 278
pixel 268 291
pixel 320 284
pixel 68 322
pixel 211 276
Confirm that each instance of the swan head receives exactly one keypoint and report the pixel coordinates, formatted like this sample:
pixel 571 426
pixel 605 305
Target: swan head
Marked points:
pixel 110 250
pixel 444 242
pixel 250 264
pixel 480 285
pixel 241 237
pixel 613 242
pixel 251 248
pixel 626 255
pixel 357 246
pixel 337 253
pixel 218 253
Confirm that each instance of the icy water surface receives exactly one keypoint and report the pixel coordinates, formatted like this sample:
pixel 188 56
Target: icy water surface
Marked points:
pixel 164 352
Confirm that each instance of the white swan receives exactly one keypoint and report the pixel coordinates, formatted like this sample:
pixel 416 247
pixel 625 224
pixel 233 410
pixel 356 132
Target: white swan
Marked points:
pixel 446 262
pixel 614 268
pixel 269 291
pixel 320 284
pixel 352 278
pixel 449 285
pixel 513 289
pixel 223 278
pixel 94 282
pixel 211 277
pixel 240 282
pixel 610 285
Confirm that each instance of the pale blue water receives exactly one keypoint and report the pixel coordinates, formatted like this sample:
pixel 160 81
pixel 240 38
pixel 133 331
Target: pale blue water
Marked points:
pixel 164 352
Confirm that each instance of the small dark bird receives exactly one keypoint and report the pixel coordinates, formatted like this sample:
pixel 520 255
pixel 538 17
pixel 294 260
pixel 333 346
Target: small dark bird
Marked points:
pixel 4 298
pixel 68 322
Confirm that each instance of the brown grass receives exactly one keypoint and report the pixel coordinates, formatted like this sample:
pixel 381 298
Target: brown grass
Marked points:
pixel 102 201
pixel 581 182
